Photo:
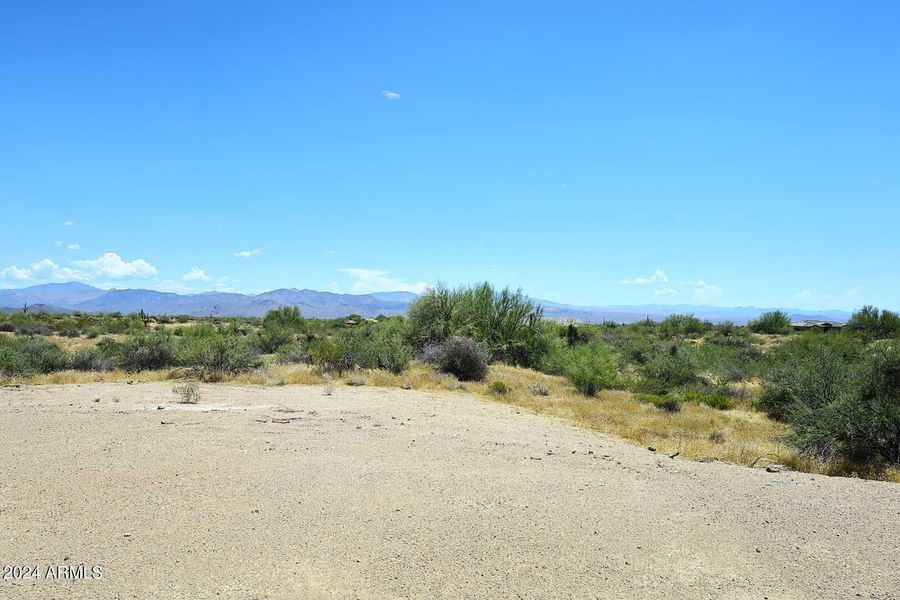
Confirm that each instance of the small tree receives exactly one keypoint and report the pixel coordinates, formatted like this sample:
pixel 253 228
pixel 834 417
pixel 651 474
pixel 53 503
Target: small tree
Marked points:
pixel 287 318
pixel 775 322
pixel 873 324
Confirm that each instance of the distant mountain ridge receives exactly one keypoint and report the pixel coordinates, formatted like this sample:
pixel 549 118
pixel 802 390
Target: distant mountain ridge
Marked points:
pixel 67 297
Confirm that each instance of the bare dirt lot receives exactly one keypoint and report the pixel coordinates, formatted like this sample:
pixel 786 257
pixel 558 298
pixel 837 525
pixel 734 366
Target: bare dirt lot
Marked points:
pixel 284 492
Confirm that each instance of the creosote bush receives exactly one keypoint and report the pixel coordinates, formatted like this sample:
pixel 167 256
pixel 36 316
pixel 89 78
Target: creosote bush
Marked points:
pixel 217 353
pixel 463 357
pixel 30 355
pixel 148 352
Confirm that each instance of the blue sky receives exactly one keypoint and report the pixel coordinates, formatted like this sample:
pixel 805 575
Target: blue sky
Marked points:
pixel 589 152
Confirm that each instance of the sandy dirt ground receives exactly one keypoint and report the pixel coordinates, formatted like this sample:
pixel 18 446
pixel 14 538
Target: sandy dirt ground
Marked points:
pixel 285 492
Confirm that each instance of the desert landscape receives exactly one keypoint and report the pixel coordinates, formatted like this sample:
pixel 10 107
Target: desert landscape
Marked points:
pixel 363 492
pixel 441 301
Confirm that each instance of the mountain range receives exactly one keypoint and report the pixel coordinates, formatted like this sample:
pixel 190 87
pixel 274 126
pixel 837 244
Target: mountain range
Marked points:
pixel 73 296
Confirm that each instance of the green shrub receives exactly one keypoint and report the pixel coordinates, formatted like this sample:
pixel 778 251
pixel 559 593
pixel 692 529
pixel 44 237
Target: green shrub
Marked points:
pixel 92 359
pixel 392 352
pixel 683 325
pixel 772 322
pixel 663 402
pixel 287 318
pixel 293 354
pixel 148 352
pixel 812 369
pixel 30 355
pixel 329 356
pixel 717 401
pixel 590 368
pixel 508 324
pixel 271 340
pixel 463 357
pixel 218 354
pixel 667 370
pixel 874 325
pixel 499 388
pixel 430 316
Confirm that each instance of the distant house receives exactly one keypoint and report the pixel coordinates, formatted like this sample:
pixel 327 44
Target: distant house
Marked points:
pixel 807 324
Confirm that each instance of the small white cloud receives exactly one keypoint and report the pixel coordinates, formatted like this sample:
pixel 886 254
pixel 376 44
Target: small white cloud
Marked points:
pixel 705 292
pixel 196 274
pixel 334 288
pixel 659 276
pixel 68 223
pixel 248 253
pixel 222 284
pixel 111 265
pixel 390 95
pixel 73 246
pixel 58 243
pixel 367 281
pixel 175 287
pixel 331 252
pixel 665 292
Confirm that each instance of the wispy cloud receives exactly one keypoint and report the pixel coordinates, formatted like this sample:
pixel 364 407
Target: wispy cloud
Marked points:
pixel 704 292
pixel 196 274
pixel 659 276
pixel 69 223
pixel 665 292
pixel 248 253
pixel 73 246
pixel 391 95
pixel 367 281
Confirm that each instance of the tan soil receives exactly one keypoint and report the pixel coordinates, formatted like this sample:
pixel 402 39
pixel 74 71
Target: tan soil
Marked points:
pixel 284 492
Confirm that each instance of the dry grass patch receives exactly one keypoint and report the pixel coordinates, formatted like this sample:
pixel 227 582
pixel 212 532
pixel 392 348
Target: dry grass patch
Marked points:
pixel 742 435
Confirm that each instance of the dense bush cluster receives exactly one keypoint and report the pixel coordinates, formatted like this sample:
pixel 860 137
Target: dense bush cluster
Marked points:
pixel 841 397
pixel 508 324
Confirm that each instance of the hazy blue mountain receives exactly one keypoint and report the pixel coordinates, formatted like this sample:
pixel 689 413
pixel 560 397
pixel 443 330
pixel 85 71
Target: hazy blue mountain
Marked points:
pixel 78 296
pixel 55 294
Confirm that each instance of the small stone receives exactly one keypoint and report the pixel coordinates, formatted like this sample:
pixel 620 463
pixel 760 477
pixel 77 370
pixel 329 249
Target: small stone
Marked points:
pixel 651 448
pixel 127 535
pixel 773 469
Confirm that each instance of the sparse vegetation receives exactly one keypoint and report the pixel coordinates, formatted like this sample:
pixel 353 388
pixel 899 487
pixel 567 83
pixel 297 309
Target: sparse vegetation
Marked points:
pixel 498 387
pixel 831 397
pixel 661 401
